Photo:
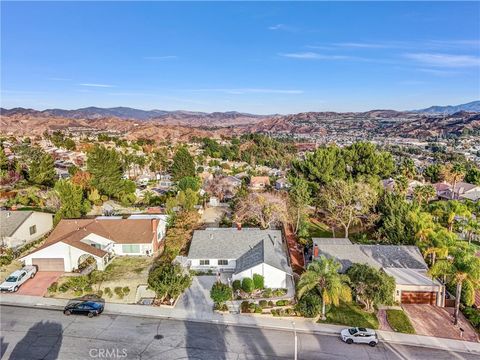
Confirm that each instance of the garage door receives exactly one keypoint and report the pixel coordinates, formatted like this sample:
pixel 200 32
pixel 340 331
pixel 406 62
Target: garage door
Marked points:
pixel 50 264
pixel 419 297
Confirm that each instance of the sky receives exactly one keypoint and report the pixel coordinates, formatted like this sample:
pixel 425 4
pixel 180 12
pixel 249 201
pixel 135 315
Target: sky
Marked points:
pixel 258 57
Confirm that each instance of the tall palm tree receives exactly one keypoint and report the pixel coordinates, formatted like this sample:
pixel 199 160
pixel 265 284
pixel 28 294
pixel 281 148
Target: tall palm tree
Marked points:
pixel 463 267
pixel 322 275
pixel 423 224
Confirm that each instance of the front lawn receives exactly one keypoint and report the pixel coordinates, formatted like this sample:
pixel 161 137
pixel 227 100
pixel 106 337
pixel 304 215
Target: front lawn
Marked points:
pixel 350 314
pixel 399 321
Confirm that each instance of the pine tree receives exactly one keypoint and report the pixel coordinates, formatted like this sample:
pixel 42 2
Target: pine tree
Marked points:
pixel 42 172
pixel 183 164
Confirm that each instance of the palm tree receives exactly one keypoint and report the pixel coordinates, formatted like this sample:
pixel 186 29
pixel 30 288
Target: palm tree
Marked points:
pixel 322 275
pixel 463 267
pixel 472 227
pixel 422 223
pixel 452 174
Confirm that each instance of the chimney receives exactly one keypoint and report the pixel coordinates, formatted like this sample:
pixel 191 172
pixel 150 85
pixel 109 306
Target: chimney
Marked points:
pixel 239 226
pixel 315 251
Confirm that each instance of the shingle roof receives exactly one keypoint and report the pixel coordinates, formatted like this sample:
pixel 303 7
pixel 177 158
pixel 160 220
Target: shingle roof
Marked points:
pixel 331 241
pixel 411 277
pixel 248 246
pixel 122 231
pixel 10 221
pixel 378 256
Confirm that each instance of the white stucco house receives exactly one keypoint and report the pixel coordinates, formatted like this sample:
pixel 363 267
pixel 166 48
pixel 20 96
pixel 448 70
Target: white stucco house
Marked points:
pixel 75 240
pixel 242 253
pixel 18 228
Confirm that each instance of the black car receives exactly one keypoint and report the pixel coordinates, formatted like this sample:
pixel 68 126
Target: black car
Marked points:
pixel 89 308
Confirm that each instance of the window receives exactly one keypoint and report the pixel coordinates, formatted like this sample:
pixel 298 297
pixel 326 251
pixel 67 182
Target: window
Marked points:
pixel 130 249
pixel 222 262
pixel 204 262
pixel 33 229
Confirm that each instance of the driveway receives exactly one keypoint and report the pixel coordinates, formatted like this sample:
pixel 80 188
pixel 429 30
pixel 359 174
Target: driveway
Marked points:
pixel 196 299
pixel 39 284
pixel 437 321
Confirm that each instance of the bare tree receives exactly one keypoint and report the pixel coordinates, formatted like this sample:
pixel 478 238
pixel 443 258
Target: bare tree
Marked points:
pixel 266 209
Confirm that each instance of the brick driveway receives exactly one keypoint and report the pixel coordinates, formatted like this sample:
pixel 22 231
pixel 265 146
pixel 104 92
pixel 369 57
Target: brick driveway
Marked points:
pixel 39 284
pixel 437 321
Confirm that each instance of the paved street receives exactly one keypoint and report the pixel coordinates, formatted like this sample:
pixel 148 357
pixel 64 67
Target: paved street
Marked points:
pixel 48 334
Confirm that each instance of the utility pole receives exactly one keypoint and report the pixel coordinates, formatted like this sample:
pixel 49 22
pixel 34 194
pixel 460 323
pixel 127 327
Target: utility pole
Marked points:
pixel 296 342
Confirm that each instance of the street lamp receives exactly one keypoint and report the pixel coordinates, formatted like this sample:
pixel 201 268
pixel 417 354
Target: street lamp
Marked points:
pixel 295 337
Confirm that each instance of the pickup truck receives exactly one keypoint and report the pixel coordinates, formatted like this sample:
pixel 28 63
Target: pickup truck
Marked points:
pixel 17 278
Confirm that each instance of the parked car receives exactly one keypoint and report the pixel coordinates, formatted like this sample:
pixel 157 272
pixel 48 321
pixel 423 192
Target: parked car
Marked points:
pixel 13 282
pixel 89 308
pixel 359 336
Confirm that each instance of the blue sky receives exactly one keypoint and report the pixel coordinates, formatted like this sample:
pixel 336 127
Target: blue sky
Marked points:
pixel 254 57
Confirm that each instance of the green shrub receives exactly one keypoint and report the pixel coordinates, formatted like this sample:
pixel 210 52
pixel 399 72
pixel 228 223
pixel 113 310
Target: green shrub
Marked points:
pixel 118 291
pixel 270 303
pixel 279 292
pixel 258 281
pixel 290 312
pixel 258 309
pixel 247 285
pixel 220 307
pixel 267 293
pixel 53 287
pixel 399 321
pixel 88 289
pixel 99 293
pixel 108 292
pixel 237 285
pixel 126 290
pixel 252 307
pixel 263 303
pixel 63 288
pixel 244 307
pixel 274 312
pixel 309 305
pixel 473 315
pixel 78 292
pixel 220 293
pixel 282 302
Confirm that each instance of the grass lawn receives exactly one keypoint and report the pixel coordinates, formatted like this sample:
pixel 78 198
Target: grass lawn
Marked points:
pixel 399 321
pixel 318 229
pixel 123 267
pixel 351 315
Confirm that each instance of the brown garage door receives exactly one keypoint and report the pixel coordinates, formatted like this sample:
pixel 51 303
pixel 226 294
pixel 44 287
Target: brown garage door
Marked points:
pixel 419 297
pixel 50 264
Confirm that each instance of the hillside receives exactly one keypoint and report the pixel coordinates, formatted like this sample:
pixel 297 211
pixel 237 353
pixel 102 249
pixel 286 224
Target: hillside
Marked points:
pixel 473 106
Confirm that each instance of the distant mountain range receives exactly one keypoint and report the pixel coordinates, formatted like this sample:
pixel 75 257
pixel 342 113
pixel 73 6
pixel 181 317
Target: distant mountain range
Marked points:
pixel 473 106
pixel 179 117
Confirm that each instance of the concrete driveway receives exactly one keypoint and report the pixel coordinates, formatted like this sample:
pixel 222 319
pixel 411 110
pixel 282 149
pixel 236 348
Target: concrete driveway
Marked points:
pixel 196 300
pixel 437 321
pixel 39 284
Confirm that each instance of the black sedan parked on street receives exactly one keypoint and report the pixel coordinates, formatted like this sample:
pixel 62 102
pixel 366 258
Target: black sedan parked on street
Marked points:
pixel 89 308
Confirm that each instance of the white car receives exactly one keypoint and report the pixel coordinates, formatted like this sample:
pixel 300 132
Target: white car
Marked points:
pixel 17 278
pixel 359 336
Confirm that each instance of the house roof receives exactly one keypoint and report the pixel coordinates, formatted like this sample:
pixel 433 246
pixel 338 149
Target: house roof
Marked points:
pixel 464 186
pixel 442 186
pixel 249 246
pixel 378 256
pixel 474 195
pixel 10 221
pixel 405 276
pixel 331 241
pixel 121 231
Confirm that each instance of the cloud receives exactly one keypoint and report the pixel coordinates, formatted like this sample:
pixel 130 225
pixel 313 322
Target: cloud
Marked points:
pixel 444 60
pixel 239 91
pixel 314 56
pixel 281 27
pixel 97 85
pixel 164 57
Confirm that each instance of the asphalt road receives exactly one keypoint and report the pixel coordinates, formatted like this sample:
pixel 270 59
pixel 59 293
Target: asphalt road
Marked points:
pixel 47 334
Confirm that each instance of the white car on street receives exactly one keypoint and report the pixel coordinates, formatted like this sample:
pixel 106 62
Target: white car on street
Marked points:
pixel 17 278
pixel 359 335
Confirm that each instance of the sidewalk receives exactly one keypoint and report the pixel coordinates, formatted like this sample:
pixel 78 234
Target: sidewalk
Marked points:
pixel 257 321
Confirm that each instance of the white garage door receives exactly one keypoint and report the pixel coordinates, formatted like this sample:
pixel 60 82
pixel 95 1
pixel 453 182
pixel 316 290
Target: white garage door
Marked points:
pixel 49 264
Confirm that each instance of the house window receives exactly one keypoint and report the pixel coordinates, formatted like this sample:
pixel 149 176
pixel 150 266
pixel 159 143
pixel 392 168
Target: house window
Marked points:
pixel 33 229
pixel 222 262
pixel 204 262
pixel 95 245
pixel 130 249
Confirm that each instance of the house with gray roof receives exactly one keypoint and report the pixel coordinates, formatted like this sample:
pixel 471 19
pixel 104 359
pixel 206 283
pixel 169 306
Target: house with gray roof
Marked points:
pixel 404 263
pixel 241 252
pixel 18 228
